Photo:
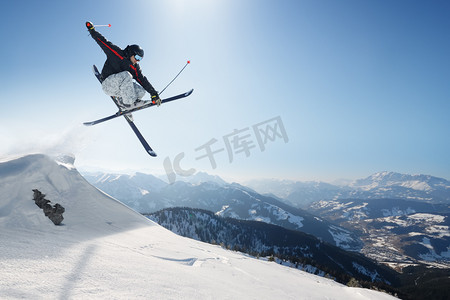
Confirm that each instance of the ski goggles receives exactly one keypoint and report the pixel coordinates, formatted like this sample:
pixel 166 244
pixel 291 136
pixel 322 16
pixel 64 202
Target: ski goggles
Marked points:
pixel 138 57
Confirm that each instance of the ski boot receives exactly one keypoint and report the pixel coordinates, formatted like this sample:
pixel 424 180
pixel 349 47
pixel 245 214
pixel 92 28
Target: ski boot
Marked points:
pixel 124 106
pixel 139 103
pixel 121 104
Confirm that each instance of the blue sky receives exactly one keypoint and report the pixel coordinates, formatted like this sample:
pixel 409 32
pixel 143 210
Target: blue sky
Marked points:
pixel 359 86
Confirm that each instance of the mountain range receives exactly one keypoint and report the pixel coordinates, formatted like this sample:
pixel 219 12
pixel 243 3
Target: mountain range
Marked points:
pixel 402 219
pixel 335 214
pixel 105 250
pixel 392 185
pixel 226 200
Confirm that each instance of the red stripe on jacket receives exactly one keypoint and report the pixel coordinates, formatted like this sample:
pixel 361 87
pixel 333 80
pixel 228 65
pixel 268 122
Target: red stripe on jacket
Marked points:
pixel 110 48
pixel 137 76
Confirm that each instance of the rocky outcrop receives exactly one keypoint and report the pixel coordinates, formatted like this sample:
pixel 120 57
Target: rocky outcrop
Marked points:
pixel 54 213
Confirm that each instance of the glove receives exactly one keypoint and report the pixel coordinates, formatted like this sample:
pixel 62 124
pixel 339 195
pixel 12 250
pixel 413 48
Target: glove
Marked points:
pixel 156 100
pixel 89 25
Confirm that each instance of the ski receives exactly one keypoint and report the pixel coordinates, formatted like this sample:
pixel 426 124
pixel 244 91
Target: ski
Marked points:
pixel 144 143
pixel 124 112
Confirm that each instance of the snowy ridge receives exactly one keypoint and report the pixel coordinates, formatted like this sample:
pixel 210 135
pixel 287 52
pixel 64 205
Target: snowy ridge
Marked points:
pixel 265 240
pixel 387 179
pixel 104 250
pixel 379 185
pixel 255 212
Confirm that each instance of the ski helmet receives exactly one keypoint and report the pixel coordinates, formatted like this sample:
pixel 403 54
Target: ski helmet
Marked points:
pixel 131 50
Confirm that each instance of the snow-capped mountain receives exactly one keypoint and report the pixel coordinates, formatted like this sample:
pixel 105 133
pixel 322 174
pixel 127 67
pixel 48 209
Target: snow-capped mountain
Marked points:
pixel 297 193
pixel 128 188
pixel 389 179
pixel 105 250
pixel 395 185
pixel 201 177
pixel 390 185
pixel 229 200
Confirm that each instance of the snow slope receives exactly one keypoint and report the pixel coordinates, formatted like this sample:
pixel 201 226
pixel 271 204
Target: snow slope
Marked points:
pixel 105 250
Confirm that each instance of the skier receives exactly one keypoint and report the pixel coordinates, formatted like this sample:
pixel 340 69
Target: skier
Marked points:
pixel 119 70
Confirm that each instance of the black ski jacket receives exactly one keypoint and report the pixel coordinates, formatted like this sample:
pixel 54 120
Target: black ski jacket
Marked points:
pixel 116 62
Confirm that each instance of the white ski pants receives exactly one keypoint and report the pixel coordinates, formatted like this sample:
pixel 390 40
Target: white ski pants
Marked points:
pixel 122 85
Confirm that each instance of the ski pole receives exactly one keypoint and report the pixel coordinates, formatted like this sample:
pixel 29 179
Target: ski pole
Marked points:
pixel 109 25
pixel 188 62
